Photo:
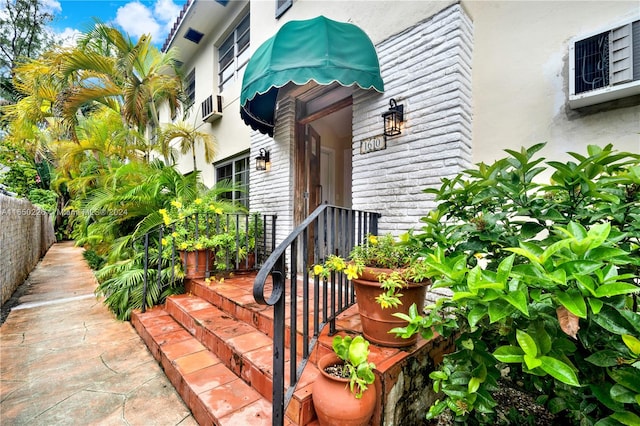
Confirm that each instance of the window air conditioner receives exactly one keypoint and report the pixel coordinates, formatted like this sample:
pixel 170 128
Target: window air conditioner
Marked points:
pixel 605 66
pixel 211 108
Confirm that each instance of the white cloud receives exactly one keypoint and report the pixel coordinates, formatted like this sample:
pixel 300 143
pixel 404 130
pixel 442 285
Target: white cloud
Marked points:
pixel 52 6
pixel 166 10
pixel 68 37
pixel 136 19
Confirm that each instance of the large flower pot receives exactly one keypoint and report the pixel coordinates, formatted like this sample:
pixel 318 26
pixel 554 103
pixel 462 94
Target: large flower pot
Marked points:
pixel 376 321
pixel 196 263
pixel 334 403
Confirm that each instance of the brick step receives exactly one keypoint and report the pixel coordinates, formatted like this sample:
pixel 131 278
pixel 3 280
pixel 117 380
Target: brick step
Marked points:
pixel 223 317
pixel 244 349
pixel 234 296
pixel 213 393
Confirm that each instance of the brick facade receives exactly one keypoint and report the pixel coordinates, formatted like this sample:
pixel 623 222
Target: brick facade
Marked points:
pixel 427 68
pixel 27 233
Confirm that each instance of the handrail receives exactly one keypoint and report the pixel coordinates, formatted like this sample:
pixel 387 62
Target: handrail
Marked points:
pixel 328 230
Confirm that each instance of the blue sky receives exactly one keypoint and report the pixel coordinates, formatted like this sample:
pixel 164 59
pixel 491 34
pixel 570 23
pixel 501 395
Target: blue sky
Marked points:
pixel 135 17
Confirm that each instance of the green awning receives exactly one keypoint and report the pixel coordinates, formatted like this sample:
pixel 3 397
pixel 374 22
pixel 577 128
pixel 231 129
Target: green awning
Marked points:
pixel 317 49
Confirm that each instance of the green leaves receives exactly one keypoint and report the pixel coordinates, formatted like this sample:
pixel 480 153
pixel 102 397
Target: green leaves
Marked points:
pixel 573 301
pixel 559 370
pixel 528 353
pixel 509 354
pixel 354 351
pixel 545 278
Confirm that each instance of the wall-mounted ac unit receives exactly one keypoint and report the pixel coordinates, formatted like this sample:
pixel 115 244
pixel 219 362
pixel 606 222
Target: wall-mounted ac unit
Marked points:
pixel 605 66
pixel 212 108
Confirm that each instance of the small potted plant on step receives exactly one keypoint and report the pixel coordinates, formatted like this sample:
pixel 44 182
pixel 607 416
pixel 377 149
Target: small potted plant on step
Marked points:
pixel 341 393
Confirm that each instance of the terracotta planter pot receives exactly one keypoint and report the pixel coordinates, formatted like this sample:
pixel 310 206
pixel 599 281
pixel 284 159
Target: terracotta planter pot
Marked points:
pixel 195 263
pixel 334 403
pixel 247 264
pixel 376 322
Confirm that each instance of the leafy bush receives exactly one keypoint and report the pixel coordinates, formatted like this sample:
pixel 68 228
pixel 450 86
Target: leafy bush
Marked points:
pixel 94 260
pixel 45 199
pixel 544 283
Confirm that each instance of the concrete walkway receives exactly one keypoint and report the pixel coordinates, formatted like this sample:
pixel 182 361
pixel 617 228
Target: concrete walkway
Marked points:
pixel 66 360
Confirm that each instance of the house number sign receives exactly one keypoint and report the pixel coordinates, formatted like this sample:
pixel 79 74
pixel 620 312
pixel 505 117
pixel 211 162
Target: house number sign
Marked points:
pixel 374 144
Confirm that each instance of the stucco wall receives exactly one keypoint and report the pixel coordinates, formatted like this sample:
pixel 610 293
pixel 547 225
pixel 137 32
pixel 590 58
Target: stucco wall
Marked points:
pixel 520 78
pixel 27 233
pixel 427 68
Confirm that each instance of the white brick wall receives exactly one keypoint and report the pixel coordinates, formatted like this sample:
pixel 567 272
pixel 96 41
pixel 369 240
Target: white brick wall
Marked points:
pixel 272 191
pixel 428 69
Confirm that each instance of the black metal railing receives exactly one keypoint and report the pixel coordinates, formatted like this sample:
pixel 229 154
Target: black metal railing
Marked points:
pixel 237 241
pixel 328 230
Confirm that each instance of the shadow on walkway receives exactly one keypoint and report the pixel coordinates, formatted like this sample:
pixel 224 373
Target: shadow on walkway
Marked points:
pixel 65 359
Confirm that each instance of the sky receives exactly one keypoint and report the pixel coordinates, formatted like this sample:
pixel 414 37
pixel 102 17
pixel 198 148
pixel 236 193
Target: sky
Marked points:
pixel 135 17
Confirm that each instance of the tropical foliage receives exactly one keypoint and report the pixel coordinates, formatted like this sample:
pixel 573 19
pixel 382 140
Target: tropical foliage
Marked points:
pixel 85 125
pixel 354 352
pixel 544 282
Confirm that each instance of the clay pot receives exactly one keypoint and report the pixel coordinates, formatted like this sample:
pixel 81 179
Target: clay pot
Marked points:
pixel 334 403
pixel 376 321
pixel 196 263
pixel 248 264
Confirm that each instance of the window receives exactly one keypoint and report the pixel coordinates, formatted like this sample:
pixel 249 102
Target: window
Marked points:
pixel 605 66
pixel 233 54
pixel 190 87
pixel 236 171
pixel 282 6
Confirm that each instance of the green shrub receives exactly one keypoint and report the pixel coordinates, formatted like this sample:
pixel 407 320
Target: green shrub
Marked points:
pixel 544 283
pixel 94 260
pixel 45 199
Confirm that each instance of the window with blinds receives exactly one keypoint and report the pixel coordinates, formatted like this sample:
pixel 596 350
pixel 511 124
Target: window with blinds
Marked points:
pixel 190 87
pixel 282 6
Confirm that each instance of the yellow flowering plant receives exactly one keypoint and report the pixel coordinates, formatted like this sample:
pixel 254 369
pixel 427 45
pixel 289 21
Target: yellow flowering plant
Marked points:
pixel 398 255
pixel 197 224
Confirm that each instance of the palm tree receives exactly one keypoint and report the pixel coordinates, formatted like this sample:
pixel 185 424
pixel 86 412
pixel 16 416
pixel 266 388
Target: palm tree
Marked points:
pixel 188 137
pixel 133 78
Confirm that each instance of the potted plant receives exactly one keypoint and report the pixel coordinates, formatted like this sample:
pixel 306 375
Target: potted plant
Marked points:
pixel 341 393
pixel 200 234
pixel 389 277
pixel 197 257
pixel 246 236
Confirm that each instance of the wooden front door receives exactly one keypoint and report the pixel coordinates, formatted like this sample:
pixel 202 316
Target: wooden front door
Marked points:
pixel 314 189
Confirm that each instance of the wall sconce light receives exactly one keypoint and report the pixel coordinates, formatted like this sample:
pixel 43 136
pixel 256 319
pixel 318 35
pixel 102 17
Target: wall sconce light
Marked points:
pixel 392 118
pixel 262 161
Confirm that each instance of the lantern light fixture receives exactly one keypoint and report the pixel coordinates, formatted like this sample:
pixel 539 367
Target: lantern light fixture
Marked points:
pixel 392 119
pixel 263 161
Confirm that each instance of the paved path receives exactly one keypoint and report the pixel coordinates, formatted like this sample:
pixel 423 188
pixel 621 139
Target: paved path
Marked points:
pixel 66 360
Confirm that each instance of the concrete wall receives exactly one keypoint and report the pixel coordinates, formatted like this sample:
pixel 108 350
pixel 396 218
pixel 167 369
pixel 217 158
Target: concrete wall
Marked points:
pixel 26 235
pixel 521 79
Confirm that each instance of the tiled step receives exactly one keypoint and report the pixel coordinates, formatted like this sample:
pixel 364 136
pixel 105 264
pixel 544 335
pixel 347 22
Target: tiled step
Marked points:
pixel 242 348
pixel 212 391
pixel 219 329
pixel 234 296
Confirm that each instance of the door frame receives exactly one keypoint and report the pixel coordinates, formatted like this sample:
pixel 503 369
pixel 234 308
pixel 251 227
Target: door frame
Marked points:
pixel 299 155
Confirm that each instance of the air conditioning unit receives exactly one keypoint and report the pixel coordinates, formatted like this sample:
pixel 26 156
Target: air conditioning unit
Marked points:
pixel 211 108
pixel 605 66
